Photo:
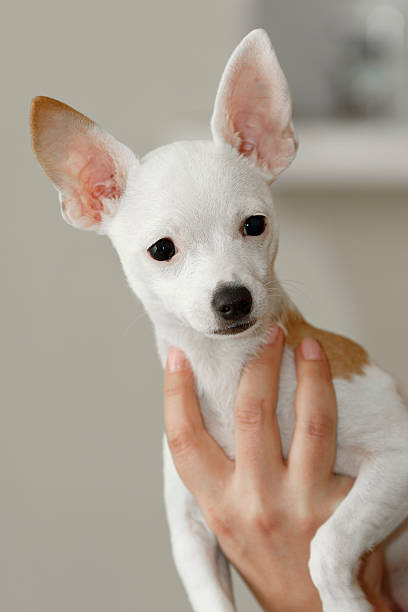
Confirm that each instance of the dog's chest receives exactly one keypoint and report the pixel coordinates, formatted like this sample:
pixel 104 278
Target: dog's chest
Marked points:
pixel 217 387
pixel 367 404
pixel 365 407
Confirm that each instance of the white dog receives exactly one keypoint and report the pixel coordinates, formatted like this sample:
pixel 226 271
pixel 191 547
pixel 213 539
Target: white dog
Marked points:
pixel 195 229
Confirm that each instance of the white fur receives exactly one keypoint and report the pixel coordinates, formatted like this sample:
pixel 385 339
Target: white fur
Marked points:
pixel 199 194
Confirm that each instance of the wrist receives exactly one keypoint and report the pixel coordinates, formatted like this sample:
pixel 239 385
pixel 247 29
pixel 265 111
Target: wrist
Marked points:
pixel 291 593
pixel 293 599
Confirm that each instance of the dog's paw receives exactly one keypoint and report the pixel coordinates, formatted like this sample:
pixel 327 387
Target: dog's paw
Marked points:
pixel 359 604
pixel 333 569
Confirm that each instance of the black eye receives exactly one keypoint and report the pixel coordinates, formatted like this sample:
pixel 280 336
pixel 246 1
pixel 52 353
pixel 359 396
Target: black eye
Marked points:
pixel 162 250
pixel 254 226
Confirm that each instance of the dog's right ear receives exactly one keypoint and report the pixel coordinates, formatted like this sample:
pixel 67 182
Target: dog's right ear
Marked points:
pixel 253 110
pixel 86 164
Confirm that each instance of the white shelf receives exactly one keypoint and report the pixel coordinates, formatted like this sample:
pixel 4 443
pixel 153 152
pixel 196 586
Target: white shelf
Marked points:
pixel 336 155
pixel 347 154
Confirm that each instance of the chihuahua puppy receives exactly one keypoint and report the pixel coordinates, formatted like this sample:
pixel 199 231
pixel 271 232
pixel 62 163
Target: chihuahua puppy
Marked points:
pixel 195 229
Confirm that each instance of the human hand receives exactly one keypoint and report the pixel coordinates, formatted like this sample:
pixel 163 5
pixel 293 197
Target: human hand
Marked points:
pixel 264 510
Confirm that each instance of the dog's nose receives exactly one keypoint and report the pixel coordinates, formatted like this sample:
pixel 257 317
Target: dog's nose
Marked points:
pixel 231 302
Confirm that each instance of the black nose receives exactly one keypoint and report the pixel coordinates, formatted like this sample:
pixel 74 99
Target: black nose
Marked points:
pixel 231 302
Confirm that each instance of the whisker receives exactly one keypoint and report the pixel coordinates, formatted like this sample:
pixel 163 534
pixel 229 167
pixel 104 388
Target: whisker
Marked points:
pixel 133 323
pixel 292 286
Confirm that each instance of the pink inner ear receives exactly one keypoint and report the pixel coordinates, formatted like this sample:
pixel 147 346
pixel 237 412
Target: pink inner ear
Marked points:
pixel 249 128
pixel 97 181
pixel 251 110
pixel 93 176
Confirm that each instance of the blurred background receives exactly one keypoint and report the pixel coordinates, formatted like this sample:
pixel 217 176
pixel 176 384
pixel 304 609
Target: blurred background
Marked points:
pixel 82 517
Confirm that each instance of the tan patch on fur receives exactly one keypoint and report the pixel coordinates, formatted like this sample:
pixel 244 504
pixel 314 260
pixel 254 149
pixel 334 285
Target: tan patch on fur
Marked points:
pixel 345 357
pixel 43 109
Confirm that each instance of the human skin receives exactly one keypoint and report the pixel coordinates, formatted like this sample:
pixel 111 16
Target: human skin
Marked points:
pixel 268 537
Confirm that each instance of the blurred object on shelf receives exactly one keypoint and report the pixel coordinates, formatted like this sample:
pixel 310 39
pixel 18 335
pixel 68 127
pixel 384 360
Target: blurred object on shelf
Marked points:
pixel 345 58
pixel 367 76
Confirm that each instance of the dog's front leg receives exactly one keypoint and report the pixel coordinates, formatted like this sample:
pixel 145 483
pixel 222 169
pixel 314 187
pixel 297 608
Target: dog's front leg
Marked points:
pixel 375 506
pixel 200 562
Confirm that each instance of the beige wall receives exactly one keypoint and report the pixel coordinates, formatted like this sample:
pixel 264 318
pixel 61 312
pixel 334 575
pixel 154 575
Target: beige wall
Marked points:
pixel 344 257
pixel 82 518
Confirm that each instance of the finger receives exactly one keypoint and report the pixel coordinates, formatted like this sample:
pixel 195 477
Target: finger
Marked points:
pixel 257 440
pixel 313 448
pixel 370 578
pixel 199 460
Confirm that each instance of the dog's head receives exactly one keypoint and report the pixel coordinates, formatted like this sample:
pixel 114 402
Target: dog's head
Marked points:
pixel 193 222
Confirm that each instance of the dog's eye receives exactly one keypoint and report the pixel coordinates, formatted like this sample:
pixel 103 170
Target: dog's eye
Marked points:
pixel 254 226
pixel 162 250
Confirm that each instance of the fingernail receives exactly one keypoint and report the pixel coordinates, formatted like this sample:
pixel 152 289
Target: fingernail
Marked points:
pixel 175 359
pixel 311 349
pixel 272 334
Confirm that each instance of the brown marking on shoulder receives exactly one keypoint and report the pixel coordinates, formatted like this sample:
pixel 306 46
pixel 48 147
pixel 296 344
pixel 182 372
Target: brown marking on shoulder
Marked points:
pixel 345 357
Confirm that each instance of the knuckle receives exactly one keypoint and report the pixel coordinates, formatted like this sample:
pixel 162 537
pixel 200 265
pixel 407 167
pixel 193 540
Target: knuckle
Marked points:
pixel 250 413
pixel 306 525
pixel 263 515
pixel 264 360
pixel 318 427
pixel 265 522
pixel 172 389
pixel 264 364
pixel 314 370
pixel 218 522
pixel 261 523
pixel 176 386
pixel 182 441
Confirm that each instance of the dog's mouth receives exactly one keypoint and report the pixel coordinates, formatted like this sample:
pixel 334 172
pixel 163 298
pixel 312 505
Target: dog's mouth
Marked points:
pixel 234 329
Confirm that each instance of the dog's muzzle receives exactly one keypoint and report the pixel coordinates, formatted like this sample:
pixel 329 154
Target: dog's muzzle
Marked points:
pixel 232 305
pixel 232 302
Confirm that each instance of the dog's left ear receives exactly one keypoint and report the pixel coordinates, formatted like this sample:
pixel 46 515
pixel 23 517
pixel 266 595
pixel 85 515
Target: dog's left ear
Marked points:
pixel 86 164
pixel 253 108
